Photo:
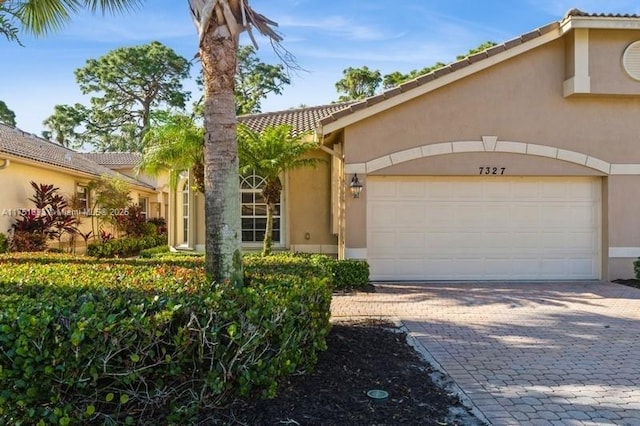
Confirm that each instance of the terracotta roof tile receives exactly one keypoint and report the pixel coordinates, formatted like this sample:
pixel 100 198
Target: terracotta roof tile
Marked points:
pixel 442 71
pixel 114 159
pixel 301 120
pixel 579 13
pixel 31 147
pixel 530 35
pixel 425 78
pixel 375 99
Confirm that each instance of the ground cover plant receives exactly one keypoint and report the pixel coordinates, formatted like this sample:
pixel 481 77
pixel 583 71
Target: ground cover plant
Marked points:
pixel 143 341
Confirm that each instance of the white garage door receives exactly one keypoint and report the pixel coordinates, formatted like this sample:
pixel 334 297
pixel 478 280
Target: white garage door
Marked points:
pixel 467 228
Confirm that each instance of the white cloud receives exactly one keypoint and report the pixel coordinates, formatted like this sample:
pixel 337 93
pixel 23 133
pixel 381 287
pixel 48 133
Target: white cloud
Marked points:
pixel 336 26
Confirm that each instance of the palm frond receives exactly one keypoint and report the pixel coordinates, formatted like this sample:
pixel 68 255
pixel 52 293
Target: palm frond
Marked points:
pixel 45 16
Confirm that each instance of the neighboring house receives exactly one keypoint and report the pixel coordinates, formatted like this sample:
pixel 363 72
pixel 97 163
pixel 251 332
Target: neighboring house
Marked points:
pixel 518 163
pixel 126 163
pixel 25 157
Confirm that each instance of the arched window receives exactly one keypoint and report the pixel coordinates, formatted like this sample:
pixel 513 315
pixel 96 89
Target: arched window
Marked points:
pixel 254 211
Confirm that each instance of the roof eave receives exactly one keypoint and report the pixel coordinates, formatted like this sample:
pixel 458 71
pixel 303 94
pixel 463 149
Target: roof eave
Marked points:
pixel 433 84
pixel 71 171
pixel 599 23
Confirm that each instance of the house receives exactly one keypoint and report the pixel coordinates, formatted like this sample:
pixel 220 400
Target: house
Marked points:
pixel 26 157
pixel 518 163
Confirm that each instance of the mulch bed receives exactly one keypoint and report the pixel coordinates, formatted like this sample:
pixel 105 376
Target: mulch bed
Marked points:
pixel 361 356
pixel 631 282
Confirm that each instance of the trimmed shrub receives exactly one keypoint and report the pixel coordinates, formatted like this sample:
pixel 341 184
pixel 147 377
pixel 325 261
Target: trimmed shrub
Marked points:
pixel 300 265
pixel 350 273
pixel 85 341
pixel 154 251
pixel 125 247
pixel 342 274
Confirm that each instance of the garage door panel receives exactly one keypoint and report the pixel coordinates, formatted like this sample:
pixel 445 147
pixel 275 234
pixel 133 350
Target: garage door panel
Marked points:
pixel 483 228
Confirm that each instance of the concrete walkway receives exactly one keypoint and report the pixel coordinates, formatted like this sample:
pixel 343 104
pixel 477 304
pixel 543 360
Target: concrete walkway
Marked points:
pixel 563 353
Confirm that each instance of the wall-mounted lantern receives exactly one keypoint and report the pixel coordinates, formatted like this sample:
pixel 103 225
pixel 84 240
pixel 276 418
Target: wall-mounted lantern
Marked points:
pixel 355 186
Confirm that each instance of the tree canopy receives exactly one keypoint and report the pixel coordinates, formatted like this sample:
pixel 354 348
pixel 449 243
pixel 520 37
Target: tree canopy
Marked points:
pixel 359 83
pixel 128 85
pixel 6 115
pixel 255 80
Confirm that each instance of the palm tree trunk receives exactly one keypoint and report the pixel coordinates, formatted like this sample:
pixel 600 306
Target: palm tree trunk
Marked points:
pixel 222 203
pixel 267 243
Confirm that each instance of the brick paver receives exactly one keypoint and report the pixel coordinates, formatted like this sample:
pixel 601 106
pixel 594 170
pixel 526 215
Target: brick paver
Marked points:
pixel 563 353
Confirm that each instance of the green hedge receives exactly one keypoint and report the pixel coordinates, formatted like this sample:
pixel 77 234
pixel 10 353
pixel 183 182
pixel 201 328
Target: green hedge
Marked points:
pixel 636 268
pixel 154 251
pixel 123 342
pixel 125 247
pixel 342 274
pixel 350 274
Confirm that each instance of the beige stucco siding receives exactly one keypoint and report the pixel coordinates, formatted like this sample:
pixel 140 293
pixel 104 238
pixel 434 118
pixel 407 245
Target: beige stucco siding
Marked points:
pixel 309 208
pixel 17 188
pixel 518 100
pixel 605 62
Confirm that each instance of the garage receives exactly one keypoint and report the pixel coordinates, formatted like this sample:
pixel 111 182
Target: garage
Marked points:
pixel 483 228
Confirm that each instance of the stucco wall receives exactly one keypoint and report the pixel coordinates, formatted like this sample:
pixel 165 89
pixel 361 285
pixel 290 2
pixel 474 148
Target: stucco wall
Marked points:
pixel 306 208
pixel 519 100
pixel 310 208
pixel 605 59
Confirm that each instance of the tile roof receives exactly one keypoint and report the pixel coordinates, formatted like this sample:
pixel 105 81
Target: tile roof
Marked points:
pixel 18 143
pixel 301 120
pixel 114 159
pixel 579 13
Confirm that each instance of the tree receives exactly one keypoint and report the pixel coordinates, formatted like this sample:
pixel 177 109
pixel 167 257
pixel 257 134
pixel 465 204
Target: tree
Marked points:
pixel 254 80
pixel 7 21
pixel 358 83
pixel 7 116
pixel 219 24
pixel 176 145
pixel 269 154
pixel 63 123
pixel 396 78
pixel 130 83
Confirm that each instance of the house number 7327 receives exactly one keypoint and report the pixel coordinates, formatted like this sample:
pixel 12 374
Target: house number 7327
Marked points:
pixel 492 170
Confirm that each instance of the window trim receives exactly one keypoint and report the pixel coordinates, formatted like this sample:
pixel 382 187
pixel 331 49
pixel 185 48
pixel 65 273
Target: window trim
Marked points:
pixel 87 197
pixel 281 242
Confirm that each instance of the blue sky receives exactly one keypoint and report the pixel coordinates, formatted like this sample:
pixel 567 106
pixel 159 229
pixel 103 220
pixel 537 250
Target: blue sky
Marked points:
pixel 325 36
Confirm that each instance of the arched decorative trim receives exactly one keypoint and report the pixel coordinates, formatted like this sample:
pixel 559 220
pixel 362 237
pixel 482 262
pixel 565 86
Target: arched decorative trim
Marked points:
pixel 5 163
pixel 491 144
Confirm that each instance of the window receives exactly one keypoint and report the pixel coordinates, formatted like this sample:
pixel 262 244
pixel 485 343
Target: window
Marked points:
pixel 144 207
pixel 185 213
pixel 254 211
pixel 82 197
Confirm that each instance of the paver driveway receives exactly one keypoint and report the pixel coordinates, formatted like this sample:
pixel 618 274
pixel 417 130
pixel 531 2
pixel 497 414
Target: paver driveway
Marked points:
pixel 563 353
